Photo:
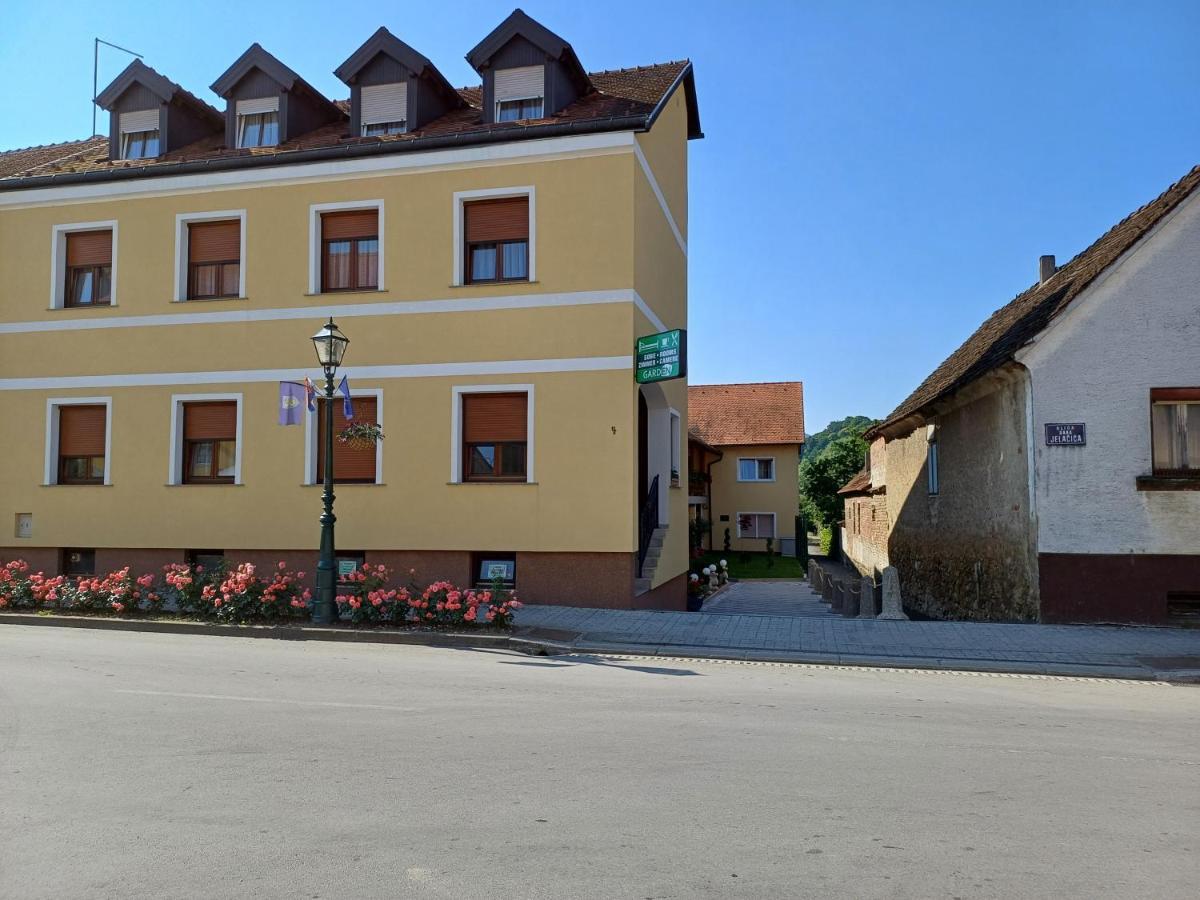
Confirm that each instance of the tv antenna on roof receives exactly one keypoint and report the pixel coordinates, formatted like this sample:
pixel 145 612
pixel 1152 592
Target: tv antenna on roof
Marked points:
pixel 96 42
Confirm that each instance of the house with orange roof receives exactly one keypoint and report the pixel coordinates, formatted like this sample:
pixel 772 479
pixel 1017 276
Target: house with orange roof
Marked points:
pixel 744 443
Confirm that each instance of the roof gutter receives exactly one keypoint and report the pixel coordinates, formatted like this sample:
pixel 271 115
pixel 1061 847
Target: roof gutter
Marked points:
pixel 639 122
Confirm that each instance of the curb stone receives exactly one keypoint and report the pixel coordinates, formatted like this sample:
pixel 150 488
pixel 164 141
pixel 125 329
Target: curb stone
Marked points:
pixel 274 632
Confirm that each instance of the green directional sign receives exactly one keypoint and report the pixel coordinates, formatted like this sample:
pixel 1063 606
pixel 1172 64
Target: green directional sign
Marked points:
pixel 661 357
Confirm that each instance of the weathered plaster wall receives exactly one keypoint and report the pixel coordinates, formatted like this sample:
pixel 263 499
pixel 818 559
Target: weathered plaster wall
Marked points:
pixel 865 534
pixel 1137 329
pixel 967 552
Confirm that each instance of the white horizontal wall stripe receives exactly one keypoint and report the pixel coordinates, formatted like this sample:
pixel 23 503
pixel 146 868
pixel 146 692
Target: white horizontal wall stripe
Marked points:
pixel 410 163
pixel 319 309
pixel 415 370
pixel 662 201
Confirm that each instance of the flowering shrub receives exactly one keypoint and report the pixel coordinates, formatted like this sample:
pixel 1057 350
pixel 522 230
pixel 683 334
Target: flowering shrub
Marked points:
pixel 241 594
pixel 245 597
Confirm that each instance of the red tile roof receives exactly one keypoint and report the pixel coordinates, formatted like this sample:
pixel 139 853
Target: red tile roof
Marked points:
pixel 859 484
pixel 764 413
pixel 1015 324
pixel 620 94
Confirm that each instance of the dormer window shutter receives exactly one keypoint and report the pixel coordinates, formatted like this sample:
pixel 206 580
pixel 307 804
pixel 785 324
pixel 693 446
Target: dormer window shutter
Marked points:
pixel 523 83
pixel 384 104
pixel 142 120
pixel 257 105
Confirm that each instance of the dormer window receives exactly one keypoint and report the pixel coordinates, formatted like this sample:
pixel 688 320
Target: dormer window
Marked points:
pixel 258 122
pixel 384 109
pixel 139 134
pixel 520 93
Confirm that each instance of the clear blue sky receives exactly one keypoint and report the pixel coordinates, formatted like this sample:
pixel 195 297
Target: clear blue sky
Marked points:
pixel 876 177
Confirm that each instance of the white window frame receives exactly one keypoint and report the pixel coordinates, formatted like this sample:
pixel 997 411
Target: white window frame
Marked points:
pixel 175 461
pixel 311 435
pixel 315 211
pixel 182 220
pixel 774 526
pixel 496 101
pixel 58 260
pixel 460 239
pixel 364 123
pixel 456 393
pixel 756 479
pixel 53 405
pixel 931 463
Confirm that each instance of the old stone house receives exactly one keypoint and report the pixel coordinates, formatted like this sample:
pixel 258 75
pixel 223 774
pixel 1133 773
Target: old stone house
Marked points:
pixel 1049 469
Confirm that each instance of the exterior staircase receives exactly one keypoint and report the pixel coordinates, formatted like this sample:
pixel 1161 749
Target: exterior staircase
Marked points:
pixel 653 553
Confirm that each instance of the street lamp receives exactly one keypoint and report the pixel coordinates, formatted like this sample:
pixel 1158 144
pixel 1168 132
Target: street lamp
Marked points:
pixel 331 346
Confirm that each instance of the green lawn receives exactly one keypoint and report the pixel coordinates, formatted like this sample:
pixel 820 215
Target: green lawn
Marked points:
pixel 755 565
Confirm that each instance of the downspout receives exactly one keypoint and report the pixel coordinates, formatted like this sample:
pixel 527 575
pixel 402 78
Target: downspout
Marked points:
pixel 708 473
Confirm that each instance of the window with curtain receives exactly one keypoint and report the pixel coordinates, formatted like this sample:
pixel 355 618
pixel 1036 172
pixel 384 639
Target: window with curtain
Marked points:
pixel 258 129
pixel 350 250
pixel 214 259
pixel 89 268
pixel 519 93
pixel 495 436
pixel 210 442
pixel 756 525
pixel 383 109
pixel 351 464
pixel 756 469
pixel 81 432
pixel 139 144
pixel 1175 430
pixel 497 240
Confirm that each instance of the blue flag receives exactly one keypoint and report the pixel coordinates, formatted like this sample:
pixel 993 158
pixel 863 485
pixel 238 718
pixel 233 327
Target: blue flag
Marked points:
pixel 291 399
pixel 347 406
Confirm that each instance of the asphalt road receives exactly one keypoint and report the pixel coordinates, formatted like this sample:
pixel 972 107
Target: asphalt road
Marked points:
pixel 141 765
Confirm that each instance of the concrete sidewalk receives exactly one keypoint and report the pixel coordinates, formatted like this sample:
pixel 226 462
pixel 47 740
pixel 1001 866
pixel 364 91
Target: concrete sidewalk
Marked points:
pixel 1111 651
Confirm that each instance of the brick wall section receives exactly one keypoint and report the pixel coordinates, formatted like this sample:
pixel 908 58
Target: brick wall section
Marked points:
pixel 865 534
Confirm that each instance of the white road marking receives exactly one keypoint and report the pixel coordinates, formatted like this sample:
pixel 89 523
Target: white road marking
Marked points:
pixel 271 700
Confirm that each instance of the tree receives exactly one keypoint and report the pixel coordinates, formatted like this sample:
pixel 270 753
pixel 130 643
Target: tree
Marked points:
pixel 825 473
pixel 815 443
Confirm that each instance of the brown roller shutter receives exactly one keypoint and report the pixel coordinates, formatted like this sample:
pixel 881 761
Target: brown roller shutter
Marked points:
pixel 212 242
pixel 361 223
pixel 489 418
pixel 81 430
pixel 498 220
pixel 210 421
pixel 89 248
pixel 349 463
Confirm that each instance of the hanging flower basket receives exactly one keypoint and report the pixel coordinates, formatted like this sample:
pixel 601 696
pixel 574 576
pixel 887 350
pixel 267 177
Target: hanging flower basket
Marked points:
pixel 360 435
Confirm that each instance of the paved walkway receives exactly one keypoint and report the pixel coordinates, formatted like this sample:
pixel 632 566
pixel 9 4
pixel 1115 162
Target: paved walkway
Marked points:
pixel 737 628
pixel 768 598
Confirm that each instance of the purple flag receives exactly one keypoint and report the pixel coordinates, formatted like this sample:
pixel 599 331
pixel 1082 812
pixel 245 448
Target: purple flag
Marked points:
pixel 291 401
pixel 347 406
pixel 310 394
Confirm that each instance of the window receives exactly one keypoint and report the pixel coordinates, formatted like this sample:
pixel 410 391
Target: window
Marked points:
pixel 258 122
pixel 347 563
pixel 490 567
pixel 756 525
pixel 350 250
pixel 210 442
pixel 139 134
pixel 383 109
pixel 497 240
pixel 756 469
pixel 932 465
pixel 89 268
pixel 214 259
pixel 81 441
pixel 495 436
pixel 78 562
pixel 520 93
pixel 205 560
pixel 1175 430
pixel 351 465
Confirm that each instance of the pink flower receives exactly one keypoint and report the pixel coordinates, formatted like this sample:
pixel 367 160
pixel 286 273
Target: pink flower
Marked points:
pixel 282 565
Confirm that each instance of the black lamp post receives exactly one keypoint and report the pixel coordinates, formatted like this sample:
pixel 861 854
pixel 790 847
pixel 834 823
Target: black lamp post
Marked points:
pixel 331 347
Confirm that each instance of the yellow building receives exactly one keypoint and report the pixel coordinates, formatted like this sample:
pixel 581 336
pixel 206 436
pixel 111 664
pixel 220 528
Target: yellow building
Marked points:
pixel 744 444
pixel 491 252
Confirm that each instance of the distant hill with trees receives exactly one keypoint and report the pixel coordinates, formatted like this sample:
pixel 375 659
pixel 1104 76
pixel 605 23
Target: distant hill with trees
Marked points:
pixel 831 458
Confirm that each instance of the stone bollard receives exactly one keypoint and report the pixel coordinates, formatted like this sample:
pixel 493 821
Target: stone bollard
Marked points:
pixel 817 578
pixel 850 604
pixel 838 603
pixel 866 599
pixel 893 608
pixel 826 587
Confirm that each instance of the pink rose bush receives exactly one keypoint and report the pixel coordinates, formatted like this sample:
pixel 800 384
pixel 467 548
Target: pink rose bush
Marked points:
pixel 244 594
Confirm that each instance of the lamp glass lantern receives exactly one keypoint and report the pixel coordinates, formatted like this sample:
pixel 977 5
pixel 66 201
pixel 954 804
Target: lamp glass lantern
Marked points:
pixel 331 345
